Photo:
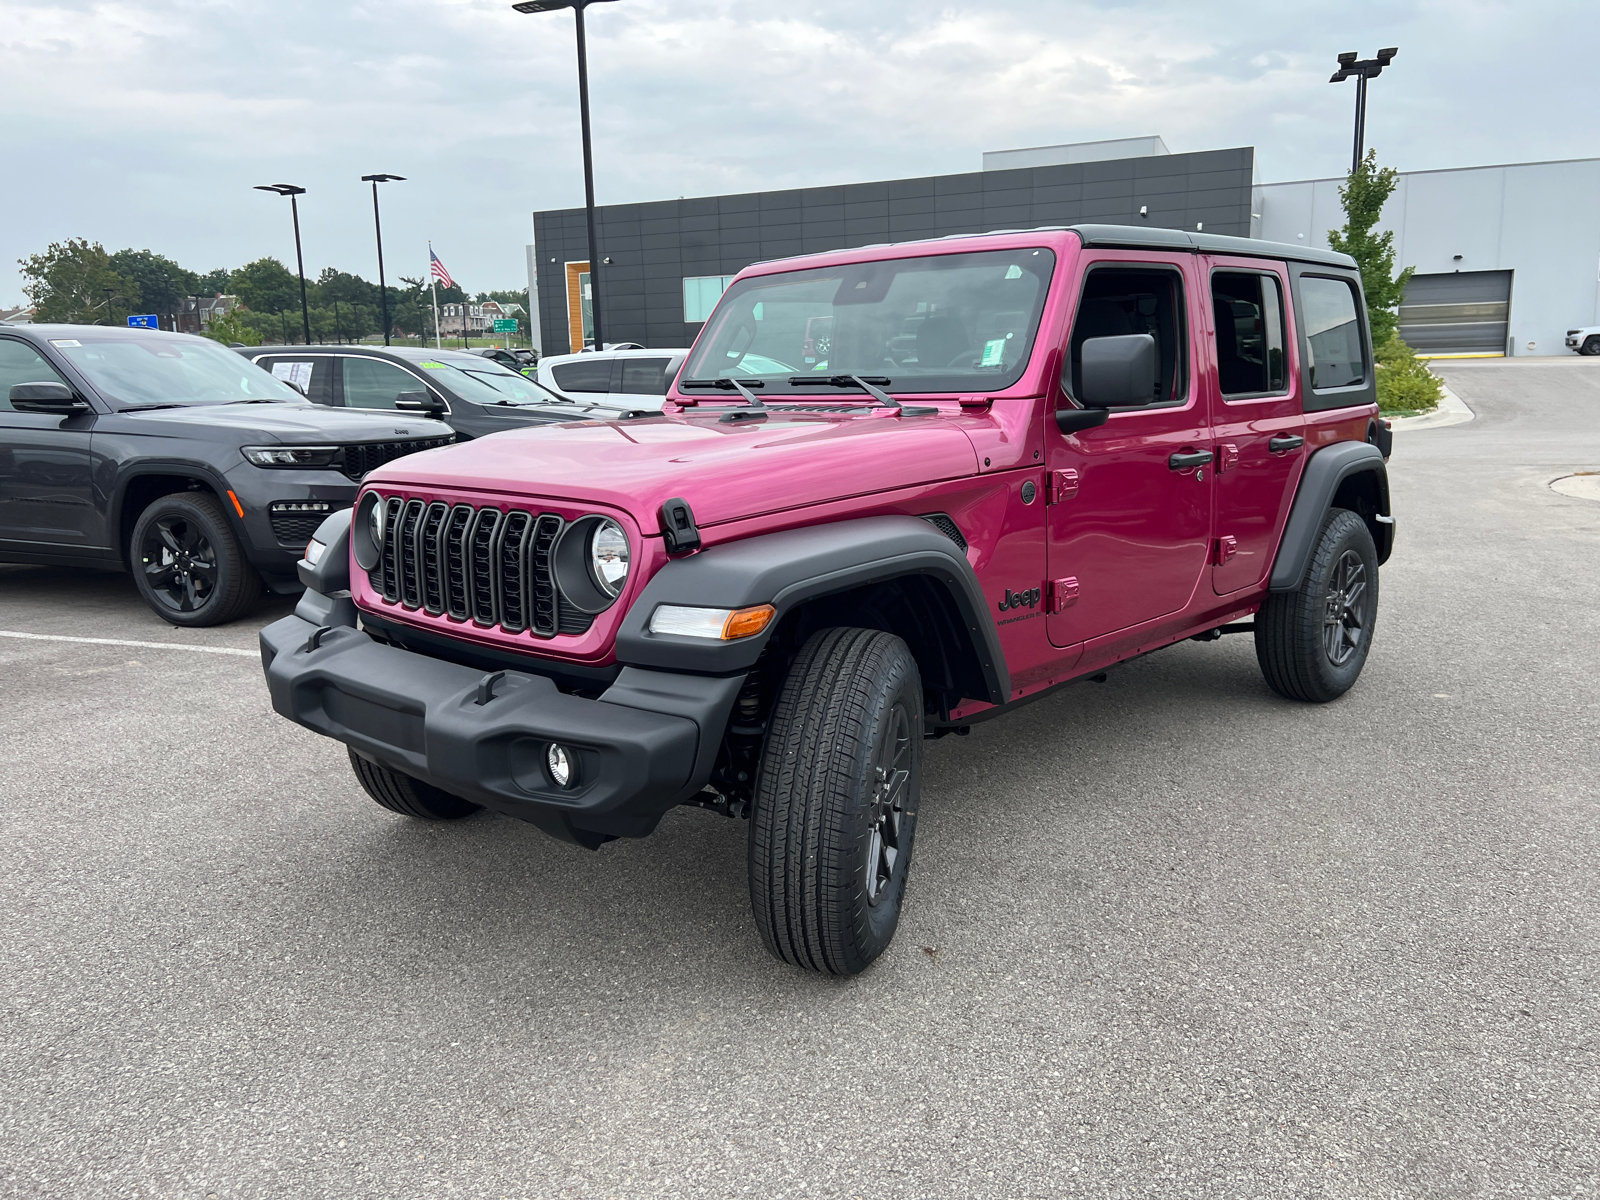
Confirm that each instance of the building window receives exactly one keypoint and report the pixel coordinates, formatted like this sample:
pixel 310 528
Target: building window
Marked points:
pixel 700 295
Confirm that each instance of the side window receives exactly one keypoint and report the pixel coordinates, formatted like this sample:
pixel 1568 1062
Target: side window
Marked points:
pixel 1247 309
pixel 313 376
pixel 645 376
pixel 585 375
pixel 1333 332
pixel 1123 300
pixel 21 363
pixel 371 383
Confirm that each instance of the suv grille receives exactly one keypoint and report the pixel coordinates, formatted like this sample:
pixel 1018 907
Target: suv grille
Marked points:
pixel 361 457
pixel 485 565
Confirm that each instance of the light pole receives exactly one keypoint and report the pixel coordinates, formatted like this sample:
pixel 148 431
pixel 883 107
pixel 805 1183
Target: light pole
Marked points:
pixel 577 7
pixel 291 191
pixel 1367 68
pixel 377 225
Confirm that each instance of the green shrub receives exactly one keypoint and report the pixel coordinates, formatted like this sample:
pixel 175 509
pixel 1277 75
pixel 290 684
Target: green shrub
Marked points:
pixel 1404 382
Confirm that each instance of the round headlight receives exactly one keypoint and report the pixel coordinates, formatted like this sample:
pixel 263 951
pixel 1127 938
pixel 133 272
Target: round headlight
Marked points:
pixel 366 531
pixel 608 556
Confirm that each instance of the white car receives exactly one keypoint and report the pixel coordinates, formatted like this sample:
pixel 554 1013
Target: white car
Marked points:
pixel 1584 341
pixel 628 379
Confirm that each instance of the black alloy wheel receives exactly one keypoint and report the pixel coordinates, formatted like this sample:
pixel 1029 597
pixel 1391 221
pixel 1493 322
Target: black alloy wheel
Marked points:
pixel 1591 345
pixel 889 820
pixel 187 563
pixel 1344 623
pixel 1312 642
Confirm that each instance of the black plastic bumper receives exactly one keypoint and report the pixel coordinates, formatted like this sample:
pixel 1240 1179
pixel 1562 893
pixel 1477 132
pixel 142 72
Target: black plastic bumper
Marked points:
pixel 647 744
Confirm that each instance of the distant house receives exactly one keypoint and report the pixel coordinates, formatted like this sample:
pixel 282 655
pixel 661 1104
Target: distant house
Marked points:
pixel 17 316
pixel 480 318
pixel 199 311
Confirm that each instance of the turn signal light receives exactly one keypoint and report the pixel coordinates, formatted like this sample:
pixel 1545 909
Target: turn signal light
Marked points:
pixel 747 622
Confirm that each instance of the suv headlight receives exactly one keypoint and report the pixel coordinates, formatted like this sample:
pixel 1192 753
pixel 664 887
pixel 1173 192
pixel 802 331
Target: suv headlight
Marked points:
pixel 291 456
pixel 591 561
pixel 608 556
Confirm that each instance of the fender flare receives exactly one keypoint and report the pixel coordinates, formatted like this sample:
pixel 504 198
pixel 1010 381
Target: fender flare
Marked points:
pixel 789 568
pixel 1325 471
pixel 145 467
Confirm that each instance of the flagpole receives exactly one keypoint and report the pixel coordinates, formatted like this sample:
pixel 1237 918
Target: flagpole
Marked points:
pixel 433 282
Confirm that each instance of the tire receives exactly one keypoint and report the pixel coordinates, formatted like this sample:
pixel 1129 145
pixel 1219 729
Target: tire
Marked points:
pixel 188 565
pixel 836 800
pixel 1312 643
pixel 1591 345
pixel 407 796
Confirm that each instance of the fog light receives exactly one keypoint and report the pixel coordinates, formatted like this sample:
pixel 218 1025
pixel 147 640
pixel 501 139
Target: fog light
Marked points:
pixel 559 763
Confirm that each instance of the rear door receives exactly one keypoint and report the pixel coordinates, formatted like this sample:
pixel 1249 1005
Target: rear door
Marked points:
pixel 1130 514
pixel 1258 418
pixel 312 374
pixel 46 495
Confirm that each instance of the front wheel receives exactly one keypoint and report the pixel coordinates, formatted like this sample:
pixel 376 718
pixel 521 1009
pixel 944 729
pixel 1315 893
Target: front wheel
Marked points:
pixel 1312 643
pixel 1591 345
pixel 836 802
pixel 407 796
pixel 188 565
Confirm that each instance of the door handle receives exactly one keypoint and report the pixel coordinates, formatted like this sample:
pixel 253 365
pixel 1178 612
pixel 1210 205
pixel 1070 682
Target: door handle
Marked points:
pixel 1280 445
pixel 1189 460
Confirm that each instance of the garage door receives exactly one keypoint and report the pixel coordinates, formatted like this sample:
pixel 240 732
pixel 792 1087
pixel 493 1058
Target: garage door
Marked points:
pixel 1464 312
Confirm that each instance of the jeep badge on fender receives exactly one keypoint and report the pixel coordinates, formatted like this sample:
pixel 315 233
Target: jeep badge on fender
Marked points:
pixel 764 600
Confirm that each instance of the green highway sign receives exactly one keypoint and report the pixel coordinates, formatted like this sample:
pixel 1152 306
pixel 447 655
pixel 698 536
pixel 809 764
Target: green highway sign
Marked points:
pixel 505 325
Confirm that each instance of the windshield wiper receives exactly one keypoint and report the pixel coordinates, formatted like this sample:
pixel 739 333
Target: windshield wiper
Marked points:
pixel 755 408
pixel 865 383
pixel 263 400
pixel 149 407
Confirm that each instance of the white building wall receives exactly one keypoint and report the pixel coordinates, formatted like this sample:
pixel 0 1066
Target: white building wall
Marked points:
pixel 1540 221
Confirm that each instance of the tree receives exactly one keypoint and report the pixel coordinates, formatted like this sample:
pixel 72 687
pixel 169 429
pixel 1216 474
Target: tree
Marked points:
pixel 163 284
pixel 230 328
pixel 213 283
pixel 266 285
pixel 1363 195
pixel 73 282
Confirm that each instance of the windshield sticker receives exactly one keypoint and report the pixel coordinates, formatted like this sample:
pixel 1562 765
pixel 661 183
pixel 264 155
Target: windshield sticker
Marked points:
pixel 994 352
pixel 1013 272
pixel 65 342
pixel 295 374
pixel 433 366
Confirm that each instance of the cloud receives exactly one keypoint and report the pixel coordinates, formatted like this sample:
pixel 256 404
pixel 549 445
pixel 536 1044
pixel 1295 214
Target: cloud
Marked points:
pixel 146 125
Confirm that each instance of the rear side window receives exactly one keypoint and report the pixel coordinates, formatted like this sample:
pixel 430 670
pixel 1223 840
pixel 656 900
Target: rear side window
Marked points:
pixel 311 375
pixel 645 376
pixel 1121 300
pixel 1333 332
pixel 1247 310
pixel 590 375
pixel 21 363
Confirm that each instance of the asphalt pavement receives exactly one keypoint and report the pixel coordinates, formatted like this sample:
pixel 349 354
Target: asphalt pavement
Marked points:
pixel 1167 936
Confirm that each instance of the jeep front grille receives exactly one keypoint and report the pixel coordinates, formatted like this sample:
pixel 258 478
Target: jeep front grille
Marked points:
pixel 361 457
pixel 483 565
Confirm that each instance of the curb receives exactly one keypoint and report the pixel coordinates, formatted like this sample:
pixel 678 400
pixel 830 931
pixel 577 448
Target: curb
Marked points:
pixel 1452 410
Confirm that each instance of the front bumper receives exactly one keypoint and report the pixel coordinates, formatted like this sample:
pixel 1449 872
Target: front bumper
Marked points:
pixel 645 745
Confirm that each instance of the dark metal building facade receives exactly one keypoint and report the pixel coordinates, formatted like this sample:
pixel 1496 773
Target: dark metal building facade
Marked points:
pixel 649 251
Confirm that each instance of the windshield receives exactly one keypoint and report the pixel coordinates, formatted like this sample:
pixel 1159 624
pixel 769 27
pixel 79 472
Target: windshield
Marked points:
pixel 944 323
pixel 169 370
pixel 485 382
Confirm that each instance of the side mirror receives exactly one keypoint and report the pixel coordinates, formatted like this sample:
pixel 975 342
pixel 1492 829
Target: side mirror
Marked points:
pixel 422 402
pixel 1118 372
pixel 53 398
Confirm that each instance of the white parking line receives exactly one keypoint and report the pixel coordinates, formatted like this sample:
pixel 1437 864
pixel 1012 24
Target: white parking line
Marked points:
pixel 57 637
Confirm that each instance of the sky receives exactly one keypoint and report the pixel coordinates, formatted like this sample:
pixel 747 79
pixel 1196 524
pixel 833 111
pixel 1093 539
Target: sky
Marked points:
pixel 145 123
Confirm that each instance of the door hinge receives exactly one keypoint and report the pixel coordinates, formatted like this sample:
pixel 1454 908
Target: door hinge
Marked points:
pixel 1063 593
pixel 1063 485
pixel 1227 546
pixel 1227 458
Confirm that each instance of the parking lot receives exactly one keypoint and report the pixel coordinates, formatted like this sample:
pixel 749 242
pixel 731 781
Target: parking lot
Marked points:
pixel 1166 936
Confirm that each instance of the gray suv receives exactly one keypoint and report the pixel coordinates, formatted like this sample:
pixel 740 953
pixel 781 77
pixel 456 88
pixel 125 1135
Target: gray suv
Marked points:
pixel 168 456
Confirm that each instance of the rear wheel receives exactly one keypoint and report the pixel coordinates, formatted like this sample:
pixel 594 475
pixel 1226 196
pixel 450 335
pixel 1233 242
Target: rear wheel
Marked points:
pixel 1312 643
pixel 836 802
pixel 188 565
pixel 410 797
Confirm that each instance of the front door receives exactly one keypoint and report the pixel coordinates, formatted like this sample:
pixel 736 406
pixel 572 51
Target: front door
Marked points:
pixel 46 498
pixel 1258 422
pixel 1130 501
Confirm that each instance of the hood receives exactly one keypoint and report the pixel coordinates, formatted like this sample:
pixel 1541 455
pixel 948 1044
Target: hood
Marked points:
pixel 724 471
pixel 291 423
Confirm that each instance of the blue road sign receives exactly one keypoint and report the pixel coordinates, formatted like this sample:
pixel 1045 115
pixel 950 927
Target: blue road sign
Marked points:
pixel 147 321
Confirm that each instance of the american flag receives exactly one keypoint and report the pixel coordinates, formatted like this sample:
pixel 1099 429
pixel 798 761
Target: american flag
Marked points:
pixel 439 273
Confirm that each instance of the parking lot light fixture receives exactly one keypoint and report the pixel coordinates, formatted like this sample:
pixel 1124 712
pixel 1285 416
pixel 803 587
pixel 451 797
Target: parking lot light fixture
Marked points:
pixel 577 7
pixel 1361 70
pixel 291 190
pixel 377 225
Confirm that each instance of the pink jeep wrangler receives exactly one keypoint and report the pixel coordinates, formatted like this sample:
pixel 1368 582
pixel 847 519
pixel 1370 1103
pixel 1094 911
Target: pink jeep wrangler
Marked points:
pixel 894 492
